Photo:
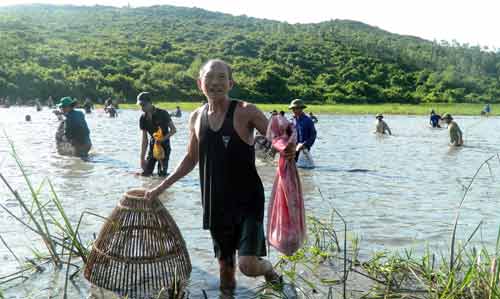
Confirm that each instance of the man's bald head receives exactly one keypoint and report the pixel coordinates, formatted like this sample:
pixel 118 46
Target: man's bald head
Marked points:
pixel 212 62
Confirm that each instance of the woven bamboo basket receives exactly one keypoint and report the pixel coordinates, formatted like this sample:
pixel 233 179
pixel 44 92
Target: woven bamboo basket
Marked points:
pixel 140 251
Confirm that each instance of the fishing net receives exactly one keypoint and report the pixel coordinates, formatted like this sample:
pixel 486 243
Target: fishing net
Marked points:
pixel 286 227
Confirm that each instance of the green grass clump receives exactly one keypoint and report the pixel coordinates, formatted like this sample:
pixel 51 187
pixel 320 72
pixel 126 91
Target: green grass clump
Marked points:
pixel 461 272
pixel 475 275
pixel 59 235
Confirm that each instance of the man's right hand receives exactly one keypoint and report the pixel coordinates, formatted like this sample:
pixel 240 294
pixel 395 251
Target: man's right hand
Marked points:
pixel 152 193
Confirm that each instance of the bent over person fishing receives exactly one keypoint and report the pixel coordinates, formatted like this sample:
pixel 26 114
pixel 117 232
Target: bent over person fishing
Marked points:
pixel 221 140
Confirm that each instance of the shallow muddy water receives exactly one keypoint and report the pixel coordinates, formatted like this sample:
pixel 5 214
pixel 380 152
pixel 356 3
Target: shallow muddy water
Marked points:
pixel 394 191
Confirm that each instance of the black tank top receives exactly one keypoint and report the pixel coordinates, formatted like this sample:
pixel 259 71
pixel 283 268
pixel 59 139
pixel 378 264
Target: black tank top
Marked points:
pixel 230 186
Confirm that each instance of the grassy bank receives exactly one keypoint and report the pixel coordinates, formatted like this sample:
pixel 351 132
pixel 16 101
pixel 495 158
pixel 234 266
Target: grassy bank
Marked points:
pixel 405 109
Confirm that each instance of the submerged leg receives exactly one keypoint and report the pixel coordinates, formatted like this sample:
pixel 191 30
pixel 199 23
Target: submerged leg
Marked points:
pixel 227 275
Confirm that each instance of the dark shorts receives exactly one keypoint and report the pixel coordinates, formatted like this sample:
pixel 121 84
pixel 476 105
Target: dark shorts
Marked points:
pixel 247 237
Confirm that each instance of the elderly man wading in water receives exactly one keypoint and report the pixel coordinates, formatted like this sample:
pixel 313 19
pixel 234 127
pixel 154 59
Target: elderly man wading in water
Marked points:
pixel 221 139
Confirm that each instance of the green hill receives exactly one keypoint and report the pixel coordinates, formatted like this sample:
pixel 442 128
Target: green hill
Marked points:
pixel 103 52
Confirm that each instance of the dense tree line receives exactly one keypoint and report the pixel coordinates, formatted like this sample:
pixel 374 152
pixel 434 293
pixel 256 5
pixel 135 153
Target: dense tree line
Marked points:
pixel 102 52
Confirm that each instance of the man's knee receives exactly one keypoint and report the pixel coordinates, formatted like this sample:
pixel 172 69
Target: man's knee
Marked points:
pixel 253 266
pixel 247 265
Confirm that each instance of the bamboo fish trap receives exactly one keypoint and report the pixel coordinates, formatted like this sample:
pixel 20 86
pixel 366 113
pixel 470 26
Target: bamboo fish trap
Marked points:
pixel 140 251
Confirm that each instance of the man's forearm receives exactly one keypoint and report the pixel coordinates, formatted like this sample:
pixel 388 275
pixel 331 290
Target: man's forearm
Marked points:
pixel 68 135
pixel 309 142
pixel 143 149
pixel 172 130
pixel 186 166
pixel 170 134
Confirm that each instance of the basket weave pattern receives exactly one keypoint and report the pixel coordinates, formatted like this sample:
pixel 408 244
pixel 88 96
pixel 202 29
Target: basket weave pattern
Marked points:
pixel 139 251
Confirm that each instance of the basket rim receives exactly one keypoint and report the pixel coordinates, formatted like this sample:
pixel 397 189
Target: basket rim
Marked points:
pixel 132 193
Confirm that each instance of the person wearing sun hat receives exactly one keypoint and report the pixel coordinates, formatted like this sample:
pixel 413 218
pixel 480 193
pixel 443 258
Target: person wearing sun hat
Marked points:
pixel 76 130
pixel 456 137
pixel 306 131
pixel 381 126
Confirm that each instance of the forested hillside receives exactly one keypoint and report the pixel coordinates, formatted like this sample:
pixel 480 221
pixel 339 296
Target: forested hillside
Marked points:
pixel 101 52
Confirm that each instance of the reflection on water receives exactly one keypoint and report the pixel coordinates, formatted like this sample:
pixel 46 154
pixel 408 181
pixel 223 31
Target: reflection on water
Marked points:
pixel 394 191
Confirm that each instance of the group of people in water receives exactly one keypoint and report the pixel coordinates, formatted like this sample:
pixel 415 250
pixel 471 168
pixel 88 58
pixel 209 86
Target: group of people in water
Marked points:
pixel 221 141
pixel 73 134
pixel 306 134
pixel 7 102
pixel 110 106
pixel 456 136
pixel 282 113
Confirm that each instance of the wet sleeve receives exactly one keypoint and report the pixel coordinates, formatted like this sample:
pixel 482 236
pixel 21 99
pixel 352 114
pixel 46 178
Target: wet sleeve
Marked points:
pixel 69 126
pixel 311 134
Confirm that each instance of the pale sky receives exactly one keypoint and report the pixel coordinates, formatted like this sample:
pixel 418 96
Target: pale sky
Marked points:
pixel 467 21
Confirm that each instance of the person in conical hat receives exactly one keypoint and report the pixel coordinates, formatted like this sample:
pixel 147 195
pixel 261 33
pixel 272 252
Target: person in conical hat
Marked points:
pixel 306 131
